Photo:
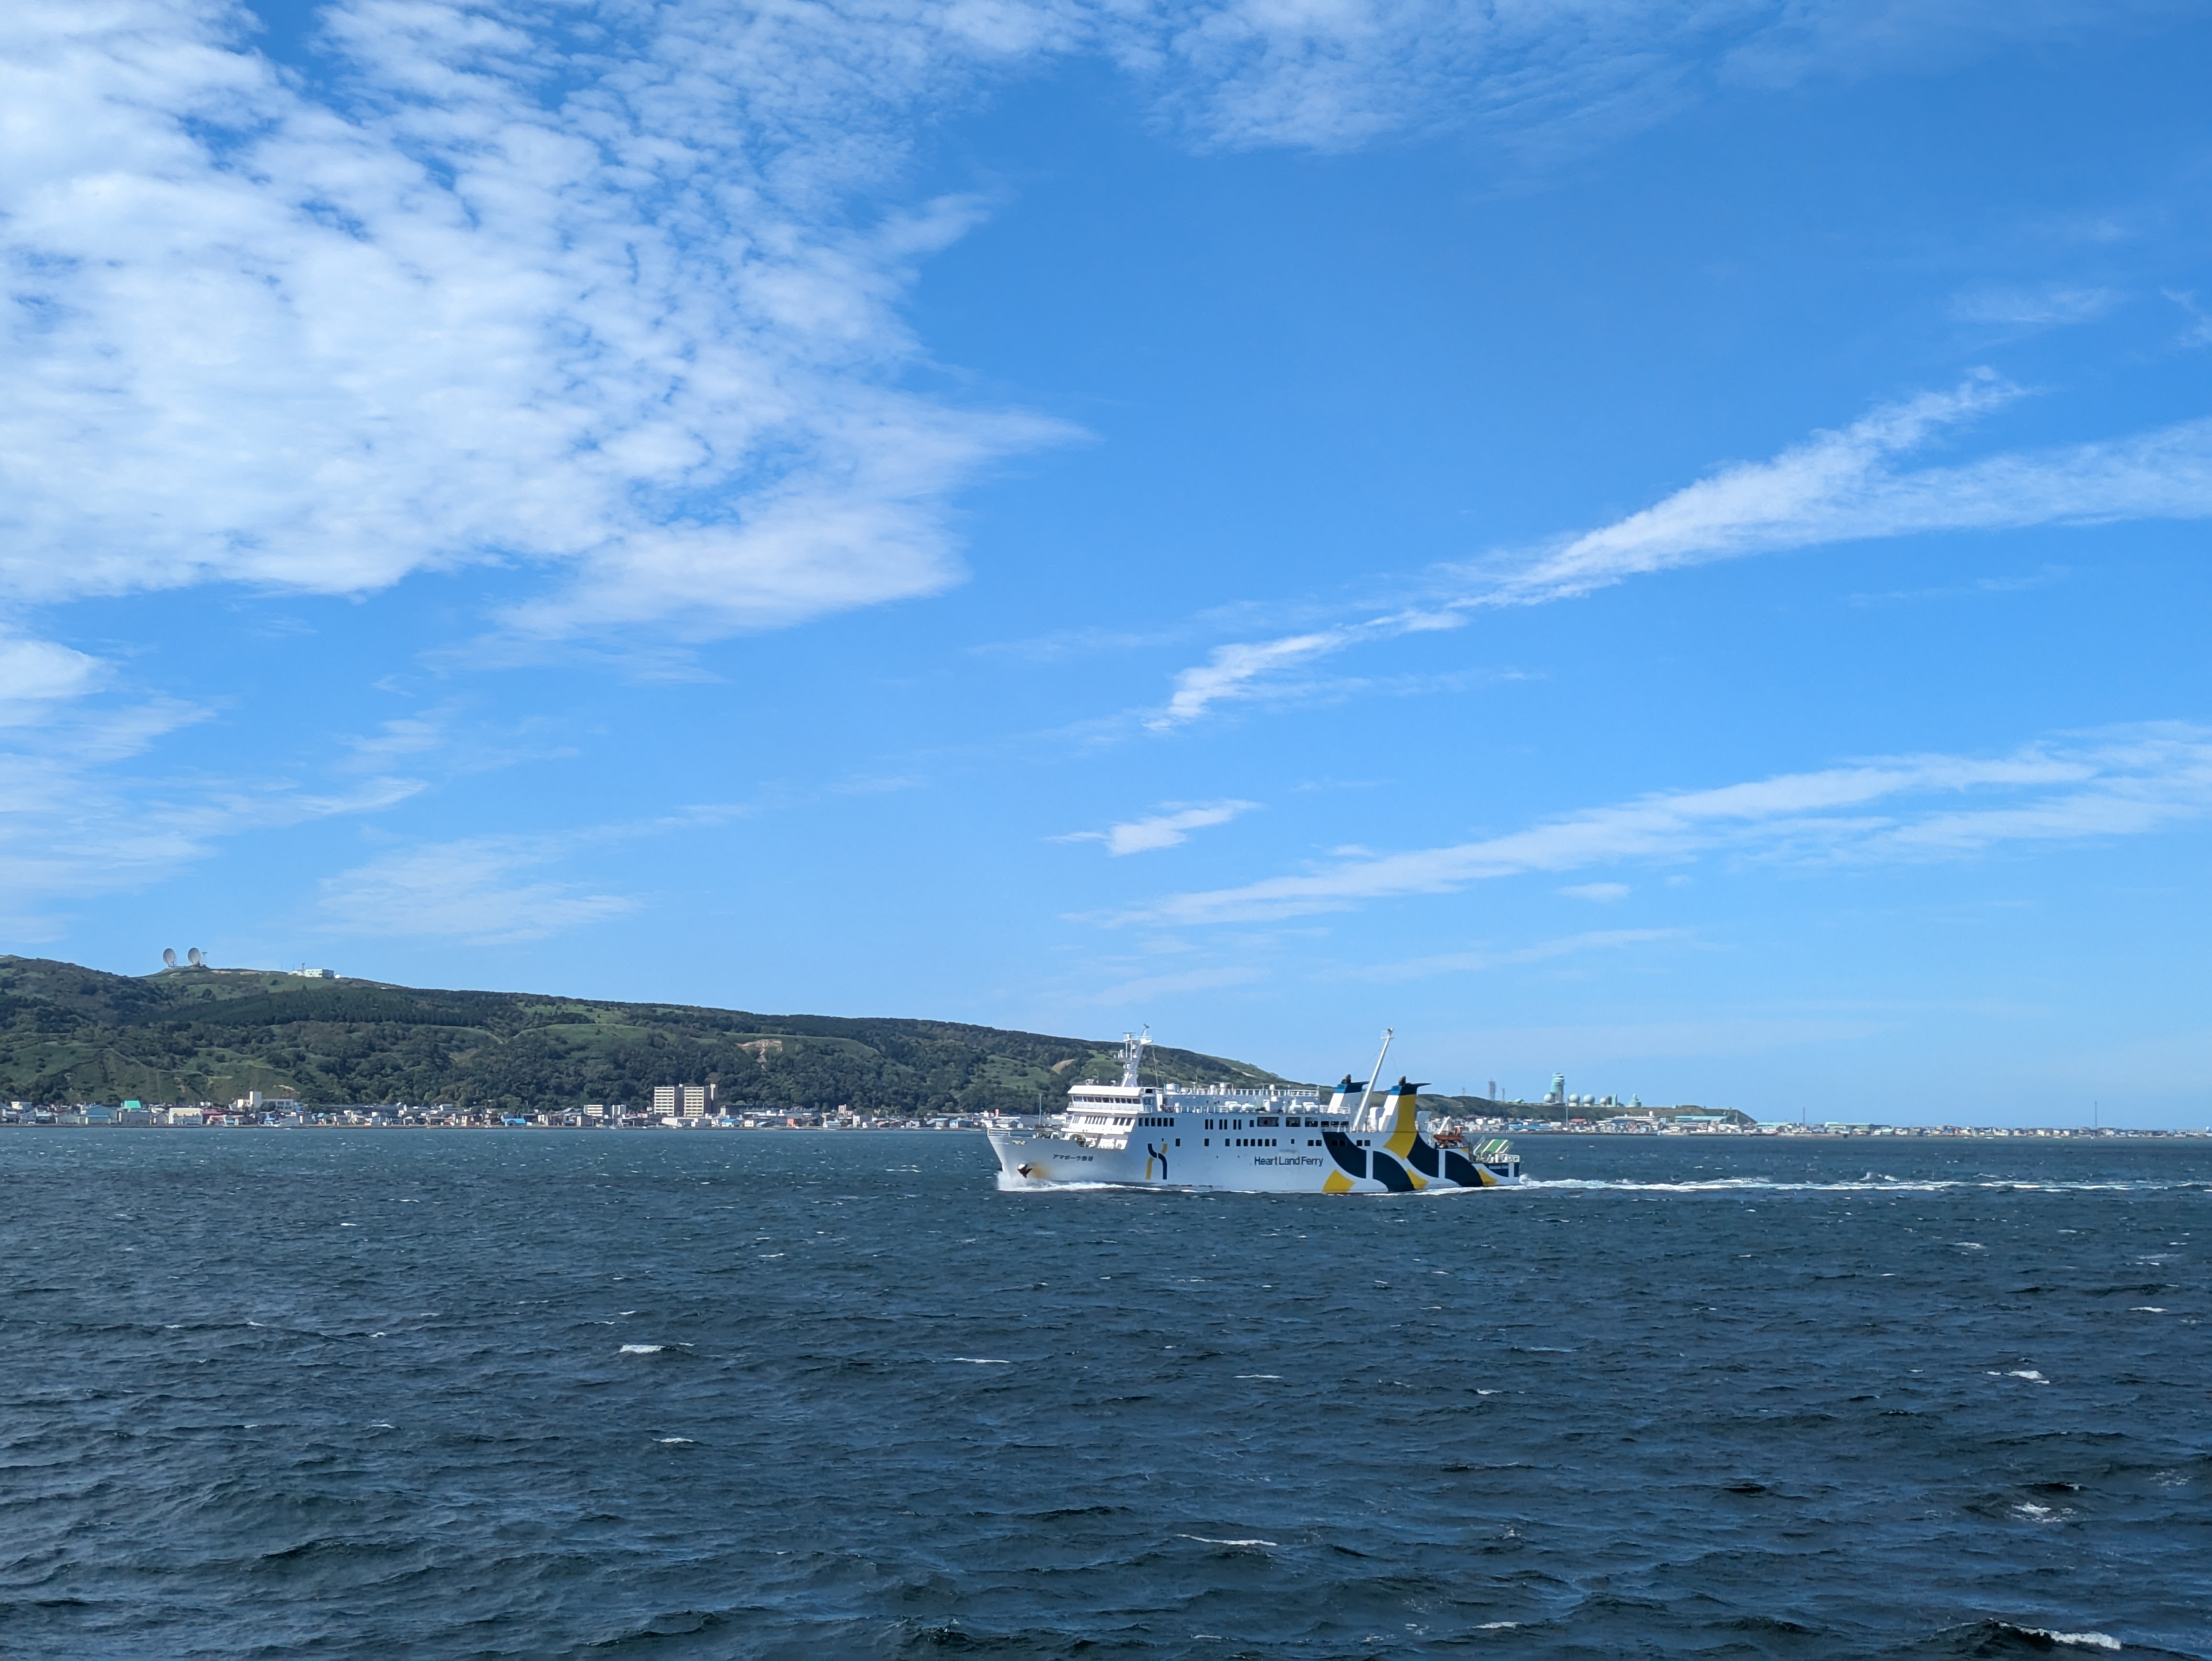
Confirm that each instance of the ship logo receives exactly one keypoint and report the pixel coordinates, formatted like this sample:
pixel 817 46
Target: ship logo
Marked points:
pixel 1153 1153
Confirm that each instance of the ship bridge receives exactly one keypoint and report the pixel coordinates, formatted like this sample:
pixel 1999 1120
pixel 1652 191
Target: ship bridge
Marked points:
pixel 1106 1114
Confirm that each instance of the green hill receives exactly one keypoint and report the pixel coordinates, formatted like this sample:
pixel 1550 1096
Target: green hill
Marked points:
pixel 70 1034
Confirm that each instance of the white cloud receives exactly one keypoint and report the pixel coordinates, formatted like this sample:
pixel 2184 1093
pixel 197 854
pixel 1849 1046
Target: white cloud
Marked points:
pixel 1830 487
pixel 1835 487
pixel 75 822
pixel 608 291
pixel 1161 829
pixel 1601 891
pixel 1249 670
pixel 1541 75
pixel 1800 39
pixel 1335 74
pixel 1838 487
pixel 595 287
pixel 2199 332
pixel 35 675
pixel 2120 781
pixel 1235 671
pixel 482 889
pixel 590 297
pixel 2042 307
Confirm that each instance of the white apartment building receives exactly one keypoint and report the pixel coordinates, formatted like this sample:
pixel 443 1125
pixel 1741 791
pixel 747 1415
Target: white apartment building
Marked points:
pixel 686 1101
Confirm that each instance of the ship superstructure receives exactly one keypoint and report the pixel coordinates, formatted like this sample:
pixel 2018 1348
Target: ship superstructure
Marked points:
pixel 1278 1139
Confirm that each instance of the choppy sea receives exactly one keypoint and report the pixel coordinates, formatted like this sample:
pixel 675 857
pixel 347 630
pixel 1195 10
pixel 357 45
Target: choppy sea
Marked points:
pixel 531 1393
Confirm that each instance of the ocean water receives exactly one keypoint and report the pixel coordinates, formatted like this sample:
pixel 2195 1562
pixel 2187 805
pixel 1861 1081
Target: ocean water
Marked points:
pixel 294 1393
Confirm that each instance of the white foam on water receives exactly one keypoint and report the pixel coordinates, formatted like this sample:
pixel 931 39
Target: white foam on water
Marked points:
pixel 2146 1309
pixel 1740 1185
pixel 2088 1641
pixel 1207 1540
pixel 982 1360
pixel 2028 1373
pixel 642 1349
pixel 675 1441
pixel 1260 1375
pixel 1880 1185
pixel 1497 1626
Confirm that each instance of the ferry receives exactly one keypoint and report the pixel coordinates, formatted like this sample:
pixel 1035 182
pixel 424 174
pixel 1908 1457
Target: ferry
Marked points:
pixel 1280 1139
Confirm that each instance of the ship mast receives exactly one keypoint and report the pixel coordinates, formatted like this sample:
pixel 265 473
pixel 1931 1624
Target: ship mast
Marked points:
pixel 1133 1055
pixel 1359 1121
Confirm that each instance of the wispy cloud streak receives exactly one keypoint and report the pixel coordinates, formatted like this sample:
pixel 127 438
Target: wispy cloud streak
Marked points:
pixel 1165 829
pixel 2117 782
pixel 482 889
pixel 1841 486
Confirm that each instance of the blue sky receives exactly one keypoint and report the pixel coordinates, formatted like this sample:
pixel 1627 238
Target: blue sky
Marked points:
pixel 1661 541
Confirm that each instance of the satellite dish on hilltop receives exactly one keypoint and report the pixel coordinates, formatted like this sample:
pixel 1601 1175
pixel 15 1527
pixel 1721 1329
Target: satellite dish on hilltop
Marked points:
pixel 196 957
pixel 169 956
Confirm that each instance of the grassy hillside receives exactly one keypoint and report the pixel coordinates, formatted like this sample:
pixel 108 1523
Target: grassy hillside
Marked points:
pixel 70 1034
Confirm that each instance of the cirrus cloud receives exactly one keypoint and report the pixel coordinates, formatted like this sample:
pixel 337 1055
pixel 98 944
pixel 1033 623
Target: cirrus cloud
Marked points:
pixel 611 292
pixel 2119 782
pixel 1163 830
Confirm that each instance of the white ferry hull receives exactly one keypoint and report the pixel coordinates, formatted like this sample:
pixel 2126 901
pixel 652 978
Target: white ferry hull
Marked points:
pixel 1323 1163
pixel 1274 1140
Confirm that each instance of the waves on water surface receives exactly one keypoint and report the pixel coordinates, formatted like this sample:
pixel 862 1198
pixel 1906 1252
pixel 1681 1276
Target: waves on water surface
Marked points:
pixel 285 1394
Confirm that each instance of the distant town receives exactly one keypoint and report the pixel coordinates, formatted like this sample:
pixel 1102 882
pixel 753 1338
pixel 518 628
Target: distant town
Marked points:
pixel 694 1107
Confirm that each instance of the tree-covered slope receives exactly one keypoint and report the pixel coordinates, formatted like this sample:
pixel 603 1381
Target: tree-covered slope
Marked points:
pixel 70 1034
